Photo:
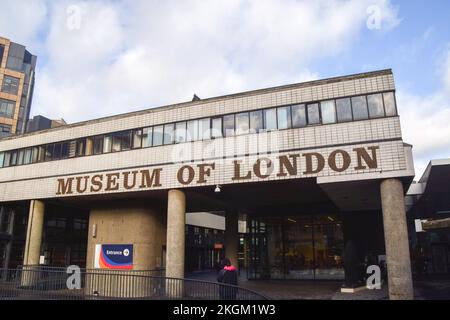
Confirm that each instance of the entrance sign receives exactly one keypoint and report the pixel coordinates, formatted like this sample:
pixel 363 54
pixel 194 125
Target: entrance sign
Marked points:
pixel 113 256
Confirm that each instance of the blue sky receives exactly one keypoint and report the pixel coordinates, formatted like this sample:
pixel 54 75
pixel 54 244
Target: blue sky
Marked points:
pixel 100 57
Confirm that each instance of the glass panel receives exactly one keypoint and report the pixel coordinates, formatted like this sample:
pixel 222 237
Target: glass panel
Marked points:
pixel 270 119
pixel 216 127
pixel 137 138
pixel 375 103
pixel 168 133
pixel 89 146
pixel 158 135
pixel 256 121
pixel 20 157
pixel 328 111
pixel 228 125
pixel 35 155
pixel 125 137
pixel 2 158
pixel 313 113
pixel 180 132
pixel 242 123
pixel 98 144
pixel 41 153
pixel 116 142
pixel 343 110
pixel 298 115
pixel 7 160
pixel 57 151
pixel 10 85
pixel 192 130
pixel 359 106
pixel 81 144
pixel 73 148
pixel 27 156
pixel 48 152
pixel 204 128
pixel 65 150
pixel 147 137
pixel 284 117
pixel 389 104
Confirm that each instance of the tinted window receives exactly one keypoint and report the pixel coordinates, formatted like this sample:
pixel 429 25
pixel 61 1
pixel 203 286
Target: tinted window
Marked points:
pixel 389 104
pixel 359 107
pixel 298 115
pixel 228 125
pixel 375 103
pixel 57 151
pixel 270 119
pixel 98 144
pixel 216 127
pixel 284 117
pixel 48 152
pixel 64 150
pixel 168 133
pixel 313 113
pixel 158 135
pixel 328 111
pixel 343 110
pixel 242 123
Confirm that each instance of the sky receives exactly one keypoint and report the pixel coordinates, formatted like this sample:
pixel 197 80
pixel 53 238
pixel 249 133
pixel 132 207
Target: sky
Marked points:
pixel 100 58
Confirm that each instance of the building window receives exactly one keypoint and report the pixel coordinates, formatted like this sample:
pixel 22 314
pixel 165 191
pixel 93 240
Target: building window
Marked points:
pixel 192 130
pixel 65 150
pixel 35 154
pixel 7 108
pixel 20 157
pixel 89 146
pixel 48 152
pixel 27 156
pixel 158 135
pixel 57 151
pixel 98 144
pixel 242 123
pixel 2 158
pixel 80 147
pixel 375 103
pixel 328 111
pixel 256 121
pixel 228 125
pixel 344 110
pixel 298 115
pixel 147 137
pixel 270 119
pixel 180 132
pixel 41 153
pixel 121 141
pixel 137 139
pixel 168 133
pixel 359 107
pixel 284 117
pixel 389 104
pixel 204 128
pixel 313 113
pixel 10 85
pixel 107 144
pixel 216 131
pixel 5 130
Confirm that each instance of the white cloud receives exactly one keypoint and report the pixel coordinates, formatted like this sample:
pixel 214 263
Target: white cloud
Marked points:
pixel 130 55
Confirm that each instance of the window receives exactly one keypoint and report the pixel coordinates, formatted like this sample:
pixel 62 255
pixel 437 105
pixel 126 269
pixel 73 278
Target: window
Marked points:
pixel 121 141
pixel 204 130
pixel 284 117
pixel 7 159
pixel 89 146
pixel 107 143
pixel 228 125
pixel 168 133
pixel 98 144
pixel 313 113
pixel 389 104
pixel 13 161
pixel 20 157
pixel 7 108
pixel 192 130
pixel 5 130
pixel 359 107
pixel 48 152
pixel 41 153
pixel 35 154
pixel 180 132
pixel 328 111
pixel 147 137
pixel 10 85
pixel 57 151
pixel 72 148
pixel 344 110
pixel 256 121
pixel 375 103
pixel 137 138
pixel 270 119
pixel 242 123
pixel 27 156
pixel 2 158
pixel 65 150
pixel 298 115
pixel 158 135
pixel 216 127
pixel 81 145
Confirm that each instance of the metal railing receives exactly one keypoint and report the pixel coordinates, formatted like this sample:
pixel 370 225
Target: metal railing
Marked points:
pixel 50 283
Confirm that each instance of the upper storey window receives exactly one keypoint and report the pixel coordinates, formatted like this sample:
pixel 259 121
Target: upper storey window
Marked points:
pixel 10 85
pixel 359 107
pixel 7 108
pixel 328 111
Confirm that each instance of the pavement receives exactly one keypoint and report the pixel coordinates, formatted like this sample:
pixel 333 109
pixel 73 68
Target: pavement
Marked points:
pixel 424 289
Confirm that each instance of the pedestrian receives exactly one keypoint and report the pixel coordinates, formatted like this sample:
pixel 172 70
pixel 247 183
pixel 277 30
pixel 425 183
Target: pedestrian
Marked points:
pixel 227 275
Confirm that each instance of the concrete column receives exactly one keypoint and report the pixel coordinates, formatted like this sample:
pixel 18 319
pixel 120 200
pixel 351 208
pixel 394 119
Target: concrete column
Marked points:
pixel 232 236
pixel 396 240
pixel 34 233
pixel 33 243
pixel 176 217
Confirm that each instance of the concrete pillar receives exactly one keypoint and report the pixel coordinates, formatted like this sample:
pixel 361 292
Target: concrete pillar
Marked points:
pixel 176 217
pixel 232 236
pixel 33 243
pixel 396 240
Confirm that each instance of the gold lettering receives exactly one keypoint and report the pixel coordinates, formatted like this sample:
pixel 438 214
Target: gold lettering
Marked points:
pixel 65 186
pixel 126 185
pixel 148 181
pixel 237 171
pixel 345 159
pixel 96 183
pixel 309 162
pixel 362 154
pixel 111 181
pixel 205 171
pixel 285 163
pixel 257 168
pixel 191 174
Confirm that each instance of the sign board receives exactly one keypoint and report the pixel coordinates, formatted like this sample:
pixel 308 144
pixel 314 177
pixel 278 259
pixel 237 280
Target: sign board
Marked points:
pixel 113 256
pixel 218 246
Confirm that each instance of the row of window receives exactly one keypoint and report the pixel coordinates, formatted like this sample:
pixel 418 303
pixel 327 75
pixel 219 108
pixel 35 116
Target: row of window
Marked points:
pixel 284 117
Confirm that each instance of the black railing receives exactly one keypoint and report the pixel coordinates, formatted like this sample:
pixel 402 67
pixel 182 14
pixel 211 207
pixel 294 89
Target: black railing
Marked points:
pixel 49 283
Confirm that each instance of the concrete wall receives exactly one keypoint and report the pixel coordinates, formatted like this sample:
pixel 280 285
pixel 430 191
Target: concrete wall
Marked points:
pixel 140 225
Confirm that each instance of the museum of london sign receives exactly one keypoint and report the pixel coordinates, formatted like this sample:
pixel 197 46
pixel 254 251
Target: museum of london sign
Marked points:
pixel 264 167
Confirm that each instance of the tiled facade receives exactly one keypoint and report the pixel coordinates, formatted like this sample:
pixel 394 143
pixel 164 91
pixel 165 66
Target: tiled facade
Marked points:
pixel 40 180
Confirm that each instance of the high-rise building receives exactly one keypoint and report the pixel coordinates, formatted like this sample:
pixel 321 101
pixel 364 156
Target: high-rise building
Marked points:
pixel 17 67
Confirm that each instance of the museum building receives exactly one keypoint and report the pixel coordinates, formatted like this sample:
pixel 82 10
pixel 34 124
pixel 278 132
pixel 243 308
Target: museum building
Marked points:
pixel 310 167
